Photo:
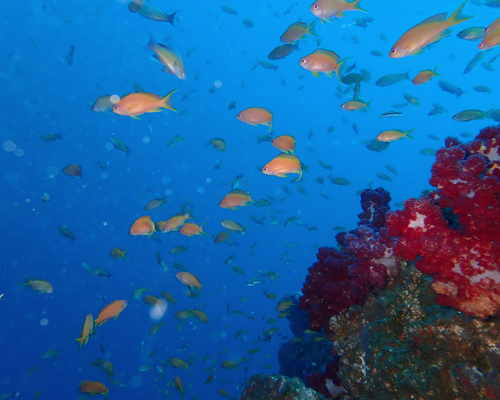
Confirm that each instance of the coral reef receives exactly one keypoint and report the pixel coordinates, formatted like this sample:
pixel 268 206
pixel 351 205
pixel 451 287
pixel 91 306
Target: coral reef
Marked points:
pixel 277 387
pixel 455 231
pixel 401 345
pixel 340 279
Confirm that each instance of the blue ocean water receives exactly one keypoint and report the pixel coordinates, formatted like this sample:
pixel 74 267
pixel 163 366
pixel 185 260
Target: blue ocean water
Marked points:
pixel 43 94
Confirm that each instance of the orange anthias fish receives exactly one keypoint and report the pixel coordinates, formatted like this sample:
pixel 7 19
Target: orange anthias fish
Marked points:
pixel 88 325
pixel 235 199
pixel 326 9
pixel 174 223
pixel 490 41
pixel 416 39
pixel 189 279
pixel 73 170
pixel 298 31
pixel 142 226
pixel 112 310
pixel 256 116
pixel 93 388
pixel 425 76
pixel 135 104
pixel 326 61
pixel 118 253
pixel 191 229
pixel 282 165
pixel 284 143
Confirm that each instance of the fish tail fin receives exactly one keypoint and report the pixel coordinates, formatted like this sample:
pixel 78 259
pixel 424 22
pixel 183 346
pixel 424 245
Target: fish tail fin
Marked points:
pixel 201 229
pixel 270 124
pixel 407 75
pixel 340 68
pixel 435 71
pixel 166 102
pixel 243 230
pixel 311 29
pixel 171 18
pixel 190 215
pixel 80 344
pixel 458 16
pixel 367 105
pixel 356 6
pixel 407 133
pixel 124 256
pixel 151 45
pixel 487 114
pixel 199 289
pixel 28 281
pixel 304 167
pixel 152 226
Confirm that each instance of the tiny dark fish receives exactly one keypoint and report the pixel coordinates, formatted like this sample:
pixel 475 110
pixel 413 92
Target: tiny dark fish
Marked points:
pixel 50 137
pixel 450 88
pixel 232 105
pixel 473 33
pixel 428 152
pixel 391 79
pixel 280 52
pixel 71 55
pixel 384 177
pixel 248 23
pixel 391 114
pixel 228 10
pixel 268 65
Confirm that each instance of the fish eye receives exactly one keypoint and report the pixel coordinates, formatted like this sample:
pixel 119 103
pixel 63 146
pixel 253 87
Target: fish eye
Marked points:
pixel 316 6
pixel 303 61
pixel 264 169
pixel 480 46
pixel 238 116
pixel 116 107
pixel 393 51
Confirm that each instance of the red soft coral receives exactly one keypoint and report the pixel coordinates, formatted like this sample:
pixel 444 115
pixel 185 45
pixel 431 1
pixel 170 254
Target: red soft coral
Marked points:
pixel 462 254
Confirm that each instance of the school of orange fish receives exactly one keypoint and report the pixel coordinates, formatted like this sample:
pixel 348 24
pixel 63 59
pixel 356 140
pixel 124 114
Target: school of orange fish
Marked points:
pixel 322 61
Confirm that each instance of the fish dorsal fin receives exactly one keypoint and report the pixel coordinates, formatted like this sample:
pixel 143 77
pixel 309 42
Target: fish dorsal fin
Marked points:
pixel 329 53
pixel 435 18
pixel 171 49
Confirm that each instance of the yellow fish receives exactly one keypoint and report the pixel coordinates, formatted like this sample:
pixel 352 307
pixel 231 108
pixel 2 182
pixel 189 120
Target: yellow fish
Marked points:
pixel 189 279
pixel 38 285
pixel 88 325
pixel 416 39
pixel 169 58
pixel 298 31
pixel 394 134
